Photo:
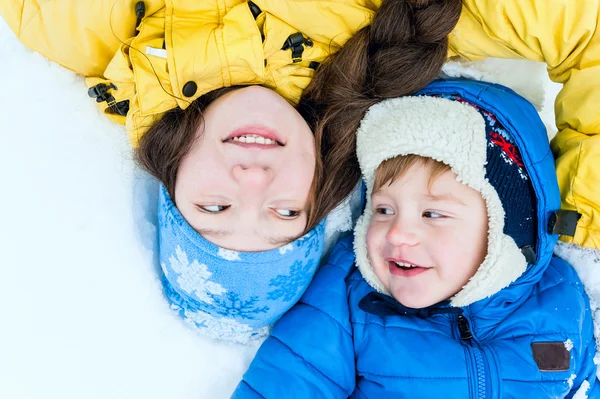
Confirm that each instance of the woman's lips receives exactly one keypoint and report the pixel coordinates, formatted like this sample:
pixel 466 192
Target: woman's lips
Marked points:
pixel 255 130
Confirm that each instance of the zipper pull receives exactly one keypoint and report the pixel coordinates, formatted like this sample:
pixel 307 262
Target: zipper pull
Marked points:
pixel 463 327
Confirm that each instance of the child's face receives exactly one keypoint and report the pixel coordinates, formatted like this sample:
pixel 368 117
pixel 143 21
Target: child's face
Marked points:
pixel 440 227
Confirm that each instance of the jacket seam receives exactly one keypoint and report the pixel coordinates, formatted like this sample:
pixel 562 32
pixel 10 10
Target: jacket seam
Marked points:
pixel 253 390
pixel 410 377
pixel 310 364
pixel 538 334
pixel 335 266
pixel 326 314
pixel 21 27
pixel 537 381
pixel 347 273
pixel 572 181
pixel 566 280
pixel 543 334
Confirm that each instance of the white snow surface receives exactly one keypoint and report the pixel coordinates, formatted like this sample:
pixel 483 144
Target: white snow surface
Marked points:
pixel 81 307
pixel 82 314
pixel 582 391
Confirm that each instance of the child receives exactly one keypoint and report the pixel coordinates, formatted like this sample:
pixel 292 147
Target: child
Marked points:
pixel 438 308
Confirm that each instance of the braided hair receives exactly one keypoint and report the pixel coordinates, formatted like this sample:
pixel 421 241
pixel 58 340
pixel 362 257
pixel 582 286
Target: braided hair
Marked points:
pixel 401 52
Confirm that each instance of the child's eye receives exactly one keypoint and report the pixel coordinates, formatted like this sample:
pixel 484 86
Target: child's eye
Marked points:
pixel 432 215
pixel 288 213
pixel 213 208
pixel 384 211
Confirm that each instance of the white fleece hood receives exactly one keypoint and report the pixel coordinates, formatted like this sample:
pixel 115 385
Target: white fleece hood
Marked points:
pixel 455 134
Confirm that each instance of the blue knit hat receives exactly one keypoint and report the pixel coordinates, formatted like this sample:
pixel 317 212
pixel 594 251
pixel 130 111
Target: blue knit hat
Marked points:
pixel 231 295
pixel 506 173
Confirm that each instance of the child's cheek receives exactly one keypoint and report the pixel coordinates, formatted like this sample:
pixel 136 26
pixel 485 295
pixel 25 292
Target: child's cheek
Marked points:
pixel 444 246
pixel 370 238
pixel 375 241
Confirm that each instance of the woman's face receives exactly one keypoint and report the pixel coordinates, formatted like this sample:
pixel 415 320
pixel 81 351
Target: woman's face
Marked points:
pixel 245 183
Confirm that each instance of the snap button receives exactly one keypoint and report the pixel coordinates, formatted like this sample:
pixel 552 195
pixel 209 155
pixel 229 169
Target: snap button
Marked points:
pixel 189 89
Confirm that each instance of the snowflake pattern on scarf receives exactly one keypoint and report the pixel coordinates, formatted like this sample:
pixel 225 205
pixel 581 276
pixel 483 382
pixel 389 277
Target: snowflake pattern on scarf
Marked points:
pixel 221 291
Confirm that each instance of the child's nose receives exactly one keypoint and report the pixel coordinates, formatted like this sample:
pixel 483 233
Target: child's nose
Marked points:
pixel 399 235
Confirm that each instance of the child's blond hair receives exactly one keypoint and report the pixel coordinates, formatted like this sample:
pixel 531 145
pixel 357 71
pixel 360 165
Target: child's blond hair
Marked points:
pixel 392 169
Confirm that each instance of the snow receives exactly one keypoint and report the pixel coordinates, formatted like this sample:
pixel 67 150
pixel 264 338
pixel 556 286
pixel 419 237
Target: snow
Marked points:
pixel 82 311
pixel 586 262
pixel 582 391
pixel 571 379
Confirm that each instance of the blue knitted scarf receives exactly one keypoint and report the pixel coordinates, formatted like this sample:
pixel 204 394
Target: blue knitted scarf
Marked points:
pixel 231 295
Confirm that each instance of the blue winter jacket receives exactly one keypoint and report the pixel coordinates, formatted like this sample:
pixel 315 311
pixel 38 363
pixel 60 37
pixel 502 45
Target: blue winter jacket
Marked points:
pixel 533 339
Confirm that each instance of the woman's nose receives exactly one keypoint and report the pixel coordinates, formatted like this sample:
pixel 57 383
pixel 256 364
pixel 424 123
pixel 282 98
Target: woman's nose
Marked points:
pixel 254 177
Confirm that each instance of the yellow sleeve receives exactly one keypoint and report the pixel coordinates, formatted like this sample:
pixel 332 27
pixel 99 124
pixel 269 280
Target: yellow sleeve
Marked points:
pixel 566 35
pixel 82 36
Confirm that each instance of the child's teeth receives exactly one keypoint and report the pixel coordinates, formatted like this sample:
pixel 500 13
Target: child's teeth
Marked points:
pixel 242 139
pixel 260 140
pixel 404 264
pixel 269 141
pixel 250 139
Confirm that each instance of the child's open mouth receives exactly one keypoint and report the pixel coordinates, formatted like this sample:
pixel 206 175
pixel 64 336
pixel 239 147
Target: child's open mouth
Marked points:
pixel 404 269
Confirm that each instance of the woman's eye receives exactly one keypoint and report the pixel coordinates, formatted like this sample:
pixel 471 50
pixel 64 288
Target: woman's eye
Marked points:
pixel 432 215
pixel 384 211
pixel 288 213
pixel 213 208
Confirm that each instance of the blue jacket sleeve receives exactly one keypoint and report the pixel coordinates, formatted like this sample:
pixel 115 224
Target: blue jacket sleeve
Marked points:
pixel 310 352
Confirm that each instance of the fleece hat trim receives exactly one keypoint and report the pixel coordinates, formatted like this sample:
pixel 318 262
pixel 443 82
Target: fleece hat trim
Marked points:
pixel 452 133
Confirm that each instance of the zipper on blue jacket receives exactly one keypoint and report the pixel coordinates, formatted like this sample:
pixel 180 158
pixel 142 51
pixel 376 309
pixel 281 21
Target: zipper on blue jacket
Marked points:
pixel 477 355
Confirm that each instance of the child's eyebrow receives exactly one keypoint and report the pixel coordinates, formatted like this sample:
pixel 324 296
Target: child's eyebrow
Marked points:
pixel 445 197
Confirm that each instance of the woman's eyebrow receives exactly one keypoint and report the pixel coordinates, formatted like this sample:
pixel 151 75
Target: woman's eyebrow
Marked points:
pixel 273 240
pixel 214 232
pixel 280 239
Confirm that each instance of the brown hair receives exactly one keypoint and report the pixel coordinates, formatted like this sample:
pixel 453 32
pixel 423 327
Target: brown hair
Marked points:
pixel 401 52
pixel 392 169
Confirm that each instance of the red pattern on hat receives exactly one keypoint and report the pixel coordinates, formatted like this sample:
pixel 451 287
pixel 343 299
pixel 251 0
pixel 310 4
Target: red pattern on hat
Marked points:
pixel 508 148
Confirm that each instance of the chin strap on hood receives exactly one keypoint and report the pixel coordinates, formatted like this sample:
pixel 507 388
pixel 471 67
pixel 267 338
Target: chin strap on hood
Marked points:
pixel 384 305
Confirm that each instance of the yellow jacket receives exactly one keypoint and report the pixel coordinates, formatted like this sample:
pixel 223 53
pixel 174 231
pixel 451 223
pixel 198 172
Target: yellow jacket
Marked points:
pixel 186 48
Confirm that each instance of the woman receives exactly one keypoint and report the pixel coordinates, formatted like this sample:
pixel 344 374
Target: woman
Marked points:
pixel 160 66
